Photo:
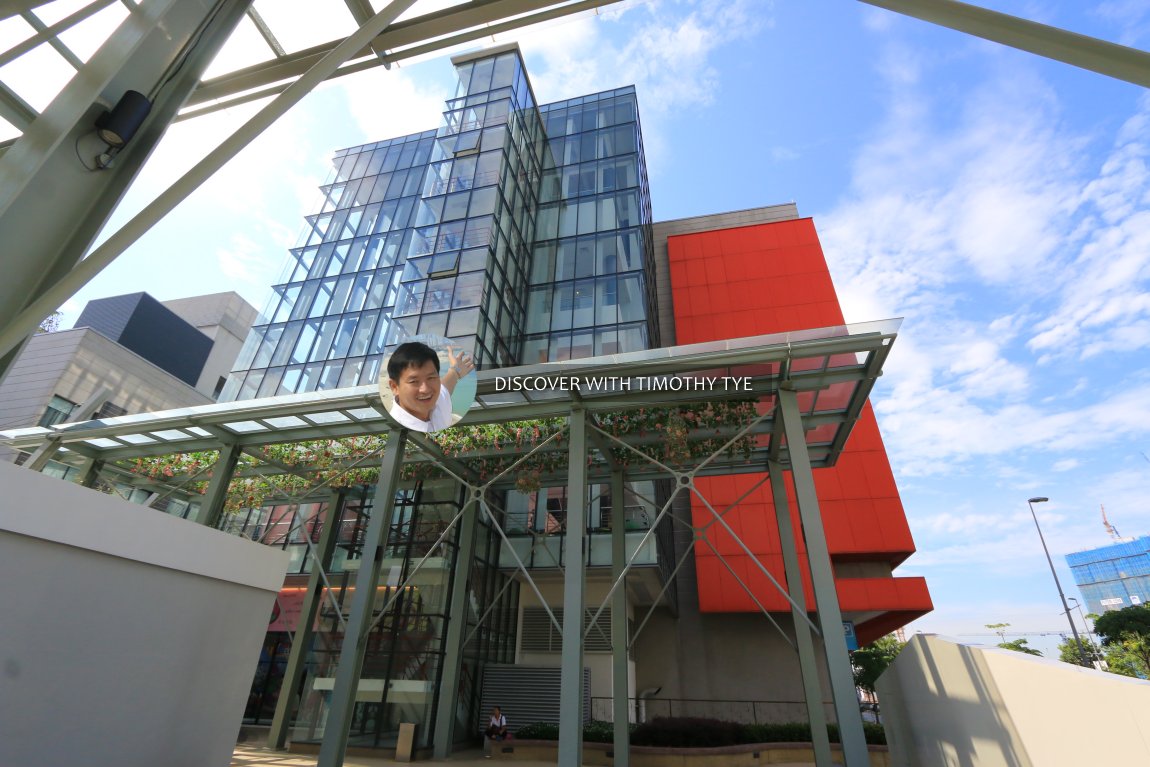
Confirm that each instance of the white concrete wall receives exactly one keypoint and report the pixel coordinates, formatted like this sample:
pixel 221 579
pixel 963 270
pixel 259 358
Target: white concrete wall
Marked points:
pixel 129 638
pixel 945 703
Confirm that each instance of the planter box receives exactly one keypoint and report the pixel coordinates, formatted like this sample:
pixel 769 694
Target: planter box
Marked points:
pixel 651 756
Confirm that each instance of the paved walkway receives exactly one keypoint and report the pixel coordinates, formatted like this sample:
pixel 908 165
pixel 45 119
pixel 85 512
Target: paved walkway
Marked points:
pixel 255 756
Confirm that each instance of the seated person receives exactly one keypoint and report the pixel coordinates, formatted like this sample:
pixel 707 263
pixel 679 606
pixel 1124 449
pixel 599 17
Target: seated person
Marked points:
pixel 496 729
pixel 422 397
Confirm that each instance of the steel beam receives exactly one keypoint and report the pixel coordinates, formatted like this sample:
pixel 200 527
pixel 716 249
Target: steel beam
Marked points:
pixel 804 642
pixel 67 276
pixel 855 753
pixel 334 746
pixel 620 670
pixel 53 200
pixel 305 629
pixel 571 665
pixel 212 507
pixel 444 737
pixel 1110 59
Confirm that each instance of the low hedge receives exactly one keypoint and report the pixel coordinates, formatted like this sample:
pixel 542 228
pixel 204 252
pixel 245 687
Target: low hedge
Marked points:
pixel 692 732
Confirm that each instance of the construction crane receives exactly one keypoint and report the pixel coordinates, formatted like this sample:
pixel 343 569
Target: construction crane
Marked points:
pixel 1109 527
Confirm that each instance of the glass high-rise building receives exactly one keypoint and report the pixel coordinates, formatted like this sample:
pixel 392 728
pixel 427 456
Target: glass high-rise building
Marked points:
pixel 1112 577
pixel 519 231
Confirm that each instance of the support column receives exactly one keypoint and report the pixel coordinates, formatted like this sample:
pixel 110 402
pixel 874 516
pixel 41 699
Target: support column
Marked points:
pixel 91 472
pixel 855 753
pixel 305 629
pixel 808 664
pixel 334 746
pixel 444 737
pixel 212 507
pixel 571 671
pixel 620 671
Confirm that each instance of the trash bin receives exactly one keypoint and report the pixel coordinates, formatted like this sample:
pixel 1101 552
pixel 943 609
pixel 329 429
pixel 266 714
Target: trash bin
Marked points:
pixel 405 744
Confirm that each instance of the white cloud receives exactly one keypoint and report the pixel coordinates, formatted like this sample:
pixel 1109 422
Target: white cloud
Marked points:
pixel 979 220
pixel 1066 464
pixel 389 103
pixel 250 260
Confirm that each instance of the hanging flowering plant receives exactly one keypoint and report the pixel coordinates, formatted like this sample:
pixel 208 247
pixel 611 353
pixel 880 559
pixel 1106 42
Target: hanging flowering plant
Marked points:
pixel 675 436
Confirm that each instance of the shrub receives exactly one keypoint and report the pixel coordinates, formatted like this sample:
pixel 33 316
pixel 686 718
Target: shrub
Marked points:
pixel 596 731
pixel 791 732
pixel 690 732
pixel 538 731
pixel 687 732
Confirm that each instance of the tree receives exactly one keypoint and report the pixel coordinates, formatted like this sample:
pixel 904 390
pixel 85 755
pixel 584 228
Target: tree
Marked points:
pixel 1019 645
pixel 998 628
pixel 1129 656
pixel 869 662
pixel 51 323
pixel 1114 625
pixel 1068 652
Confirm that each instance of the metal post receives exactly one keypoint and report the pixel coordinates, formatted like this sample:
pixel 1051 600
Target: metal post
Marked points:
pixel 212 507
pixel 855 753
pixel 334 746
pixel 456 629
pixel 808 665
pixel 91 472
pixel 305 629
pixel 620 671
pixel 1110 59
pixel 1082 659
pixel 571 672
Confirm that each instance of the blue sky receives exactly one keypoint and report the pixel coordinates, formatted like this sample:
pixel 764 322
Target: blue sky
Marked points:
pixel 995 200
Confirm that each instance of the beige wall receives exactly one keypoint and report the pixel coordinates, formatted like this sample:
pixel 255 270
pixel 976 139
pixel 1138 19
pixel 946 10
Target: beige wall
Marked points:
pixel 74 364
pixel 129 637
pixel 946 703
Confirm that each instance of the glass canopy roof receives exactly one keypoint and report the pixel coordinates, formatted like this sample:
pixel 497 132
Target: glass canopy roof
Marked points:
pixel 832 370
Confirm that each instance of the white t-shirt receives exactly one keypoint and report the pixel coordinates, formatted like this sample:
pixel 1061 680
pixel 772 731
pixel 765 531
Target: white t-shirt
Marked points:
pixel 498 721
pixel 440 416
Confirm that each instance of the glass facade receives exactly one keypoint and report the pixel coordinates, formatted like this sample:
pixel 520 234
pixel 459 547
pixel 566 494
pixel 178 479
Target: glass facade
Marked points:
pixel 1113 577
pixel 521 233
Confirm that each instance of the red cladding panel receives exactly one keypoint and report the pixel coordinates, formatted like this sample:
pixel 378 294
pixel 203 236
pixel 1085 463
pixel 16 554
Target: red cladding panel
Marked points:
pixel 773 278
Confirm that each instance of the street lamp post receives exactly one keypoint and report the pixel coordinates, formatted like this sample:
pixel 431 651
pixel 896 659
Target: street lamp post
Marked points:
pixel 1065 607
pixel 1090 640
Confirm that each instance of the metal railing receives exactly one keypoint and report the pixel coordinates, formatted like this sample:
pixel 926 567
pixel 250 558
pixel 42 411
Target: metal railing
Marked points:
pixel 743 711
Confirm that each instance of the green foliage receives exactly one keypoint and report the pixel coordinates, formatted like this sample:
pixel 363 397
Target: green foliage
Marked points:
pixel 538 731
pixel 998 628
pixel 1069 652
pixel 597 731
pixel 1129 656
pixel 1019 645
pixel 51 323
pixel 688 732
pixel 871 661
pixel 290 471
pixel 790 732
pixel 692 732
pixel 1114 625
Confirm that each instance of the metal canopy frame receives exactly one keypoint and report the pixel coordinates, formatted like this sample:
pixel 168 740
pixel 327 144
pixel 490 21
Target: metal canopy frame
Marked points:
pixel 810 388
pixel 846 360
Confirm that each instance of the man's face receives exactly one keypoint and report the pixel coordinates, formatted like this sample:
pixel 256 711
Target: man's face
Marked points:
pixel 417 389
